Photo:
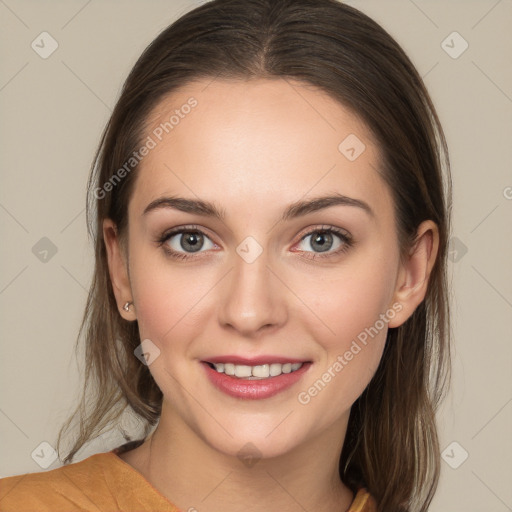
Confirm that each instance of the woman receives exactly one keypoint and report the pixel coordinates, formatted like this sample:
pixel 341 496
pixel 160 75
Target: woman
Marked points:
pixel 269 296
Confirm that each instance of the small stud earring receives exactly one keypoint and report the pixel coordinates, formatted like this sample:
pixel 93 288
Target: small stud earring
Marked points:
pixel 127 305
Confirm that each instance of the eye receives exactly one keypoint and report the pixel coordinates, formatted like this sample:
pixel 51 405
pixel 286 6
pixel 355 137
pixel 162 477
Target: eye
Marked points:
pixel 185 241
pixel 328 240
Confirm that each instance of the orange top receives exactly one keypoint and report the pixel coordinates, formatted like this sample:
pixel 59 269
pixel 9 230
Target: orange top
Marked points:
pixel 100 483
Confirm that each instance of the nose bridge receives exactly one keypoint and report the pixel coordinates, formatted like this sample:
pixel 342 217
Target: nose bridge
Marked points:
pixel 253 299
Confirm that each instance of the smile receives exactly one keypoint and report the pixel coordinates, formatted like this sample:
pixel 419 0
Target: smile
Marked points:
pixel 262 371
pixel 254 379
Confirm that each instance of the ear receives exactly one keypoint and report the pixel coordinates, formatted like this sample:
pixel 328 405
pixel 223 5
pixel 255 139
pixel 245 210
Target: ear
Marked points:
pixel 414 273
pixel 118 269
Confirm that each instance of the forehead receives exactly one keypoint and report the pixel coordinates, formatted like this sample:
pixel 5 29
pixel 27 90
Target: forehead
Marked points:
pixel 261 142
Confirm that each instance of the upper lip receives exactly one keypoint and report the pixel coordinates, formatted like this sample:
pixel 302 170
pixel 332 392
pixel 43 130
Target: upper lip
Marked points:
pixel 253 361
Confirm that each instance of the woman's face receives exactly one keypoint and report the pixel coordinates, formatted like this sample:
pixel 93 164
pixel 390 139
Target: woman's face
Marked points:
pixel 271 280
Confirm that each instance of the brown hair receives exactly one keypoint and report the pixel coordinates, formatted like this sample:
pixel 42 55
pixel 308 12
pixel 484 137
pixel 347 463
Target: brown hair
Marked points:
pixel 391 445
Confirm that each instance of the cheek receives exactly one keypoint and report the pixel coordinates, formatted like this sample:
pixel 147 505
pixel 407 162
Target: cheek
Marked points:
pixel 351 299
pixel 169 300
pixel 352 312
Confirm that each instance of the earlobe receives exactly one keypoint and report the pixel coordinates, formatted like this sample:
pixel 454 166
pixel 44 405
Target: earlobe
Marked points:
pixel 414 273
pixel 118 270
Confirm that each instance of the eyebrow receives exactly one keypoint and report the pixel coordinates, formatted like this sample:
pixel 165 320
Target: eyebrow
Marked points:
pixel 293 211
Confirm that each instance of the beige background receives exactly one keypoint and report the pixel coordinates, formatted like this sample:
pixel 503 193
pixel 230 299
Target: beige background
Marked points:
pixel 52 114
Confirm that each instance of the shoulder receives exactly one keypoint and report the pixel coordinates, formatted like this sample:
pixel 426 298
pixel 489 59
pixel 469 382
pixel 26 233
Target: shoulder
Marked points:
pixel 363 502
pixel 66 487
pixel 100 482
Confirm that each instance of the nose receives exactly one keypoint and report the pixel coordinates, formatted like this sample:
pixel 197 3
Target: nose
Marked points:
pixel 253 298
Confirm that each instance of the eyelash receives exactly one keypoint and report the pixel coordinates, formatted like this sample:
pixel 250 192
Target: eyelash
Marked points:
pixel 344 237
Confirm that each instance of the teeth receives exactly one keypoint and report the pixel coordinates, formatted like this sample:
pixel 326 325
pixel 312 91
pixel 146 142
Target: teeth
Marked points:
pixel 262 371
pixel 243 371
pixel 276 369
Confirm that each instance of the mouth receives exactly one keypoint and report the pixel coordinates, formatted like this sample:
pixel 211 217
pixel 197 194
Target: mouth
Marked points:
pixel 253 379
pixel 258 372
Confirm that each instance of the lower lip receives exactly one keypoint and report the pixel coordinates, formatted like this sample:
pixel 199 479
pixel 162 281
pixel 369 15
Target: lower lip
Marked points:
pixel 254 389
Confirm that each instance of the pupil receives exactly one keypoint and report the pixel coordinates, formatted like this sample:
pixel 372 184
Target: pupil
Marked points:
pixel 191 242
pixel 321 240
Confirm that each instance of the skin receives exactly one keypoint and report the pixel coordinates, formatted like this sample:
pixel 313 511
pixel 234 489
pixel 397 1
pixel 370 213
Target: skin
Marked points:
pixel 253 148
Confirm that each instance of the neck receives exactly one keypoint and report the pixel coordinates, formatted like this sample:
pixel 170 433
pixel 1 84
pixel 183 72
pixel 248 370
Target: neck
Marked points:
pixel 193 475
